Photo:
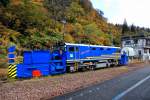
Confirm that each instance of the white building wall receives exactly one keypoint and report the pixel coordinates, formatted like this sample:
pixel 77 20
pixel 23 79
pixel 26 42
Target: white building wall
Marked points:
pixel 138 47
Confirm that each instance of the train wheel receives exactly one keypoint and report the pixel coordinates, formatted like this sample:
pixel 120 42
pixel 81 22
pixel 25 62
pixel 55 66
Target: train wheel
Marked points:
pixel 83 69
pixel 92 67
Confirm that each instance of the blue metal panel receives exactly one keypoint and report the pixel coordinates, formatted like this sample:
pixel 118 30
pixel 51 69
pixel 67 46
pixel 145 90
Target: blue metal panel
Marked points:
pixel 11 55
pixel 77 52
pixel 84 51
pixel 43 68
pixel 12 49
pixel 41 57
pixel 94 51
pixel 89 51
pixel 27 57
pixel 124 59
pixel 25 71
pixel 11 61
pixel 58 66
pixel 102 50
pixel 36 57
pixel 108 51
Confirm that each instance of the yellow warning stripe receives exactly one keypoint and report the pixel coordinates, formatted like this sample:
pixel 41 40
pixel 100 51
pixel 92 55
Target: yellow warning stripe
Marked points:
pixel 12 67
pixel 12 71
pixel 13 76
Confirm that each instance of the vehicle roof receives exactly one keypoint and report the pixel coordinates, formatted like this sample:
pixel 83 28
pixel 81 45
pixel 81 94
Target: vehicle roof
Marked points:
pixel 72 44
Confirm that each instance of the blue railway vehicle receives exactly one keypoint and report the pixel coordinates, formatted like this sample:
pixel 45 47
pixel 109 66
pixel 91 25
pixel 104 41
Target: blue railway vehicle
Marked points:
pixel 43 62
pixel 83 56
pixel 67 57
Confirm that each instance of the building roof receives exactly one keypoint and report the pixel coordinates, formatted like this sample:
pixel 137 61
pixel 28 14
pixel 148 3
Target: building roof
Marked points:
pixel 135 37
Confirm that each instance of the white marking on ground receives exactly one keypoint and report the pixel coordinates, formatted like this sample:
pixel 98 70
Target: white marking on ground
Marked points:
pixel 81 94
pixel 90 91
pixel 70 98
pixel 118 97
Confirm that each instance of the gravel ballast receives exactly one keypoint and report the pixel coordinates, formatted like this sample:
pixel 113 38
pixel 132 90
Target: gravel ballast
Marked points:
pixel 48 87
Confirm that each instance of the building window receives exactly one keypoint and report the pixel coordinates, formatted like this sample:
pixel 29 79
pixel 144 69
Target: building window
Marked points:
pixel 127 42
pixel 145 50
pixel 148 42
pixel 135 41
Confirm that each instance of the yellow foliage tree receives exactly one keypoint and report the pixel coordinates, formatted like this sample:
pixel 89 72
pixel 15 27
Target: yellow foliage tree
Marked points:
pixel 69 38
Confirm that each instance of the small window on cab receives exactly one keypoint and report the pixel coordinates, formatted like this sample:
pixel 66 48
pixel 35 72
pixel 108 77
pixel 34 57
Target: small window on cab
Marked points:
pixel 108 49
pixel 71 49
pixel 93 48
pixel 101 48
pixel 77 49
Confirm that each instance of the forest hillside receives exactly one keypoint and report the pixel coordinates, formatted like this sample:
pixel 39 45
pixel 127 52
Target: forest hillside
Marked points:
pixel 38 24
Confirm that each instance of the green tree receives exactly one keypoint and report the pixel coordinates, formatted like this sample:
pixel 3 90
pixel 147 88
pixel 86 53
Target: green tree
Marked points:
pixel 133 28
pixel 75 10
pixel 92 29
pixel 125 27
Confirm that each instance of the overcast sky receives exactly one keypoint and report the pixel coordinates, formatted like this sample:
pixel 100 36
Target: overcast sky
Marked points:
pixel 136 12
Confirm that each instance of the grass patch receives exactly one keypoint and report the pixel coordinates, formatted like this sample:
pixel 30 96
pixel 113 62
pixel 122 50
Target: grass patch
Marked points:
pixel 3 61
pixel 3 72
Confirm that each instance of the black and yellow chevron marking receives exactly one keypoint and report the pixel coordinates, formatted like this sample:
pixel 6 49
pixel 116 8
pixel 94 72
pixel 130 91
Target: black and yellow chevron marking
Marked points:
pixel 12 71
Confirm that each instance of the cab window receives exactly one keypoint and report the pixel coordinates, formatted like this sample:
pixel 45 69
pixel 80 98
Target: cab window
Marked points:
pixel 101 48
pixel 93 48
pixel 108 49
pixel 71 49
pixel 77 49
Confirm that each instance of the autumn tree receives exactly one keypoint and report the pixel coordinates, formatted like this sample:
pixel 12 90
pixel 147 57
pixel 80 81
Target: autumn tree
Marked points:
pixel 57 8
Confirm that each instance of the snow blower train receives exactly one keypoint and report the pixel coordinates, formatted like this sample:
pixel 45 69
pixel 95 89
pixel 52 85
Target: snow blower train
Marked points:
pixel 66 57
